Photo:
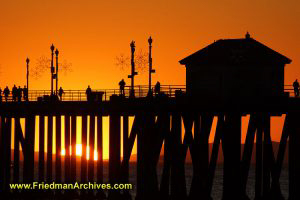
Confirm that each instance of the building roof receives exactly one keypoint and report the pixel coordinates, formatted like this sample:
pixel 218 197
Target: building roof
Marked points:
pixel 235 51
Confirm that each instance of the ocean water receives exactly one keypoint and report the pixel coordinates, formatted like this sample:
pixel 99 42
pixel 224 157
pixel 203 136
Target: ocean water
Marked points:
pixel 217 184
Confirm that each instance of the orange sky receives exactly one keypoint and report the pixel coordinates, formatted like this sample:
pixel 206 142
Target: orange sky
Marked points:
pixel 91 33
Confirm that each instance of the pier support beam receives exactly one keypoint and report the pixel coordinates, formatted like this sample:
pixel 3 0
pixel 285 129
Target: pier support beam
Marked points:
pixel 73 144
pixel 83 156
pixel 114 152
pixel 67 149
pixel 49 148
pixel 6 156
pixel 84 145
pixel 18 135
pixel 247 155
pixel 100 194
pixel 178 184
pixel 199 187
pixel 125 165
pixel 58 149
pixel 28 170
pixel 162 136
pixel 215 152
pixel 232 154
pixel 259 160
pixel 41 148
pixel 29 149
pixel 91 160
pixel 294 161
pixel 267 156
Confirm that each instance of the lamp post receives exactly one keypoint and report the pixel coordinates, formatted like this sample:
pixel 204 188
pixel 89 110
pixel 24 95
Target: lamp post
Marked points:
pixel 27 73
pixel 133 72
pixel 150 63
pixel 56 75
pixel 52 67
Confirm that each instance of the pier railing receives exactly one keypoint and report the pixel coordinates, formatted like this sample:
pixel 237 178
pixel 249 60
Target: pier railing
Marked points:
pixel 140 91
pixel 80 95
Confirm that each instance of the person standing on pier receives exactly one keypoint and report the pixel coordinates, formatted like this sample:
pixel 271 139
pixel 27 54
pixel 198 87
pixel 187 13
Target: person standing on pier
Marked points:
pixel 88 93
pixel 0 94
pixel 14 93
pixel 296 88
pixel 157 88
pixel 25 93
pixel 19 94
pixel 6 93
pixel 122 87
pixel 60 93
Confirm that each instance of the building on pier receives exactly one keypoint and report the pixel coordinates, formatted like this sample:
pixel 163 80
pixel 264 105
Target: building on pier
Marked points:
pixel 231 68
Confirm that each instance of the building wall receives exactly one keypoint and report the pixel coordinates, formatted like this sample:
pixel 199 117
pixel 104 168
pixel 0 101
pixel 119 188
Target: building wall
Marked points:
pixel 233 81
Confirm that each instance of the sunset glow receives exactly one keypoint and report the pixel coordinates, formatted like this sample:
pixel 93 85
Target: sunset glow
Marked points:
pixel 79 152
pixel 149 99
pixel 91 34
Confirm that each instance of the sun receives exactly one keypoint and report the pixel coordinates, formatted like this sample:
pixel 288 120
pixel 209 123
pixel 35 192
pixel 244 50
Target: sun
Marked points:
pixel 79 152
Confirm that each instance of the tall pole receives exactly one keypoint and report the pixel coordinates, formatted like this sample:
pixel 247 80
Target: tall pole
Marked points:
pixel 52 67
pixel 133 72
pixel 56 76
pixel 150 63
pixel 27 73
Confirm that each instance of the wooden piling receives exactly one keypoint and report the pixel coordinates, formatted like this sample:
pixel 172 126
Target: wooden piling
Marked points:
pixel 73 144
pixel 29 149
pixel 125 165
pixel 163 136
pixel 7 152
pixel 247 155
pixel 258 165
pixel 91 150
pixel 280 158
pixel 41 147
pixel 49 148
pixel 91 160
pixel 18 134
pixel 294 149
pixel 67 149
pixel 128 151
pixel 188 142
pixel 100 194
pixel 2 150
pixel 178 183
pixel 200 160
pixel 215 152
pixel 84 145
pixel 58 149
pixel 114 152
pixel 267 154
pixel 125 171
pixel 199 187
pixel 232 154
pixel 99 149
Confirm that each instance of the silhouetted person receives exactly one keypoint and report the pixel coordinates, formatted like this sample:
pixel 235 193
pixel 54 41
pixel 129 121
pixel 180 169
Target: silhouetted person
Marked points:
pixel 25 93
pixel 60 93
pixel 0 94
pixel 14 93
pixel 296 88
pixel 157 88
pixel 19 94
pixel 88 93
pixel 122 87
pixel 6 93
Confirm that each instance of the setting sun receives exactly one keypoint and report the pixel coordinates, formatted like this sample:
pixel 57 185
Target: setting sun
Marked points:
pixel 79 152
